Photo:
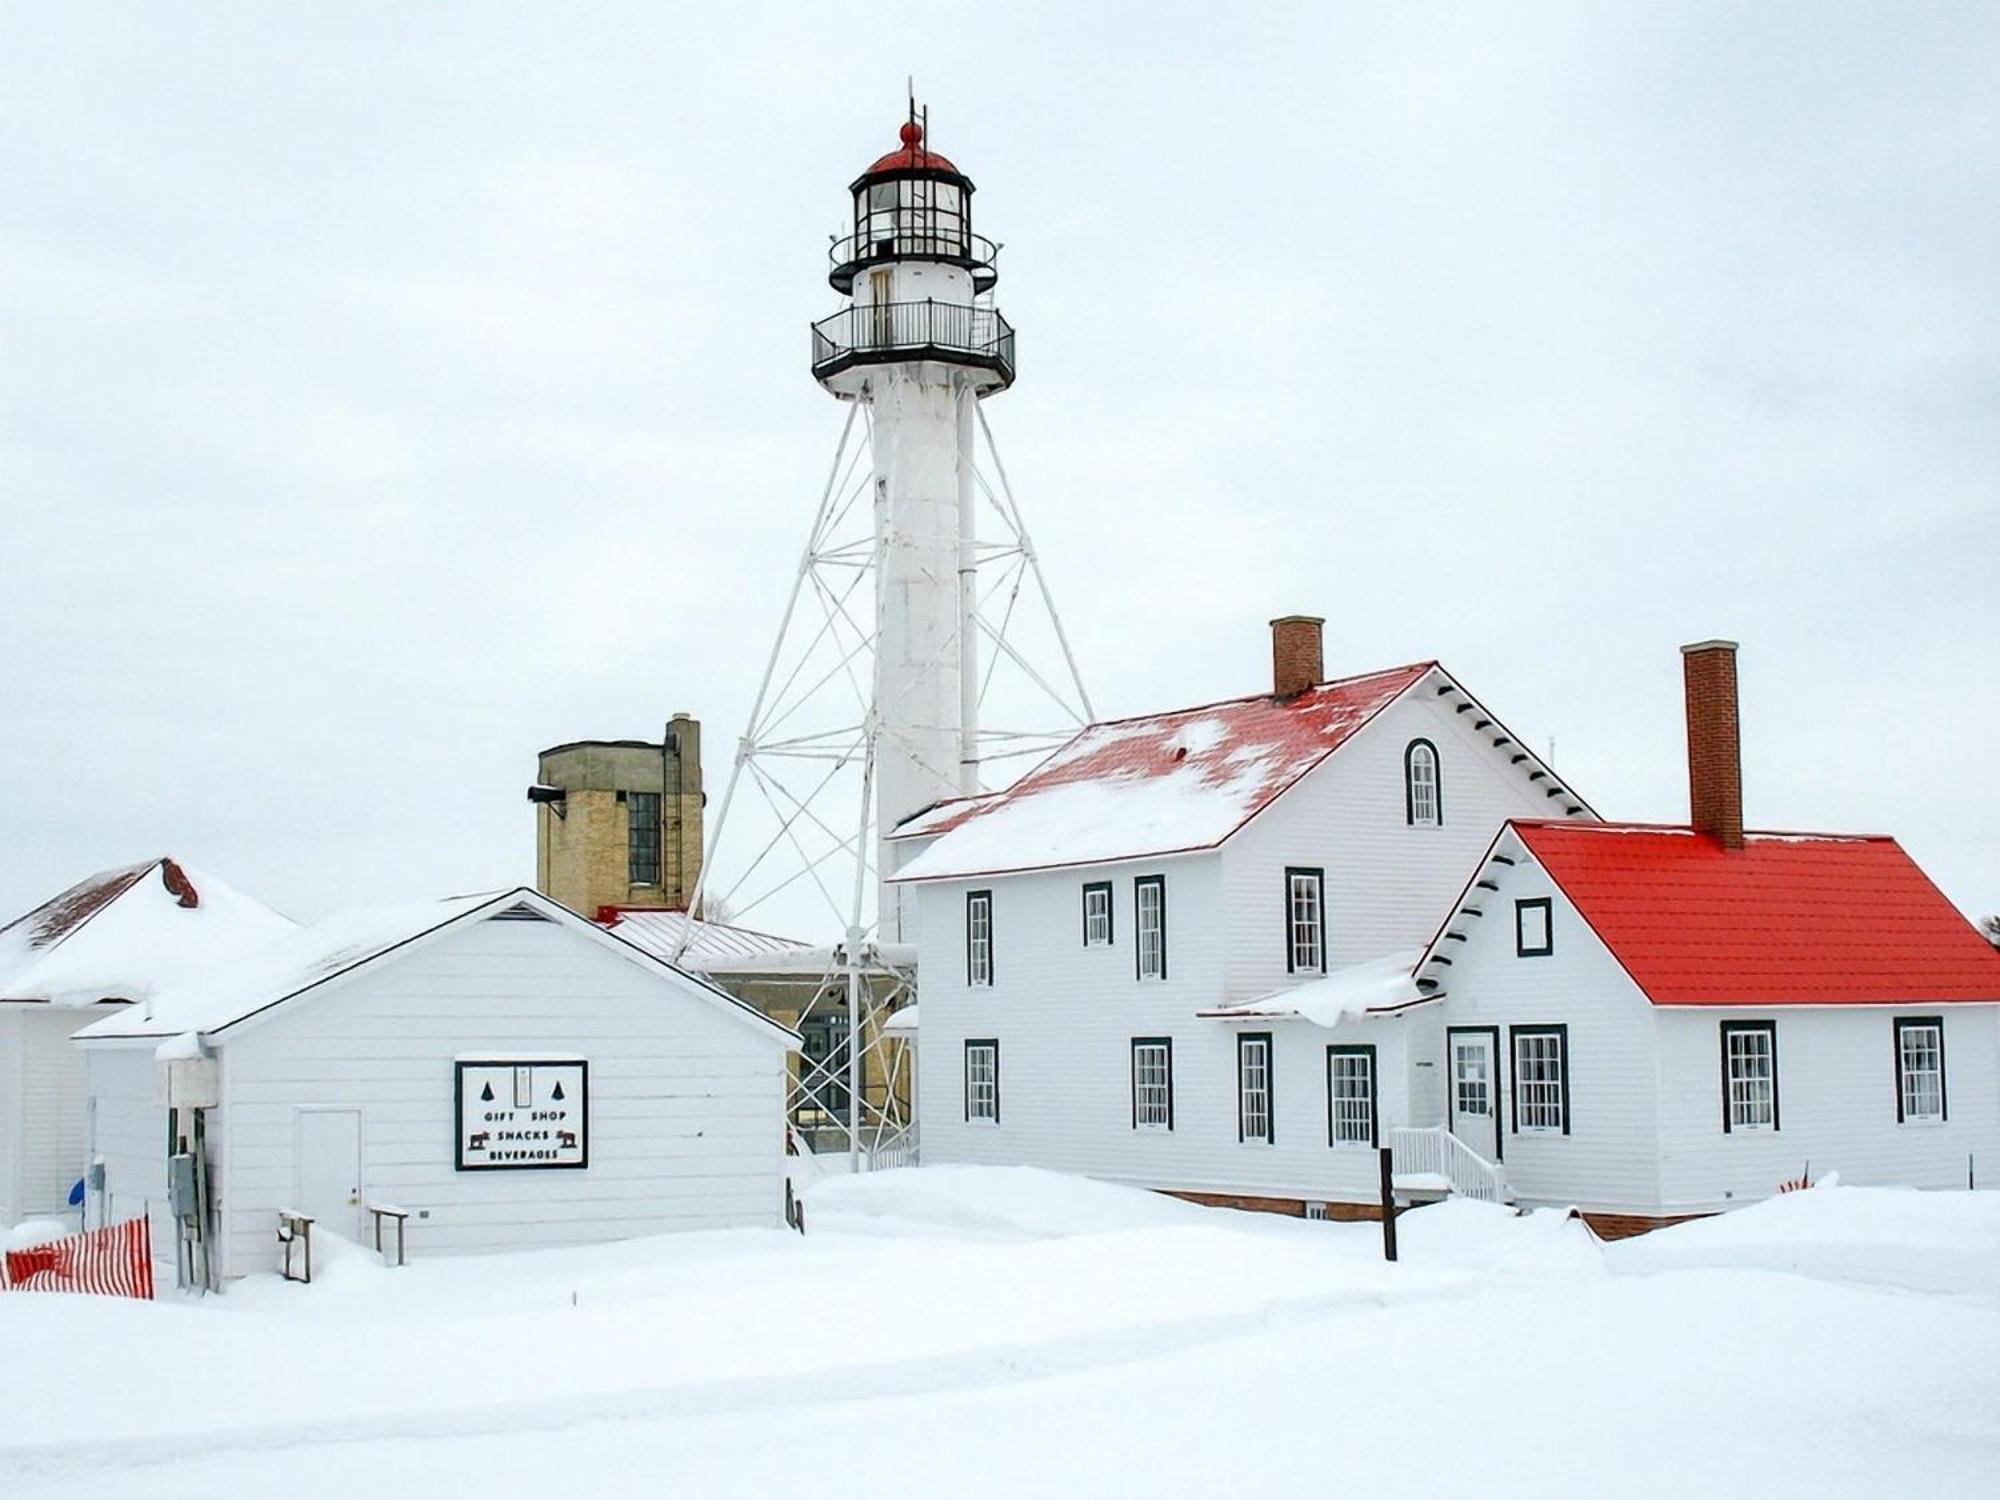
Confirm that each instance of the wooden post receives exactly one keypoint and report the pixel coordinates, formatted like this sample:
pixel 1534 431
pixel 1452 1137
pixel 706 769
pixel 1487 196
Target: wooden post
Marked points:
pixel 1388 1158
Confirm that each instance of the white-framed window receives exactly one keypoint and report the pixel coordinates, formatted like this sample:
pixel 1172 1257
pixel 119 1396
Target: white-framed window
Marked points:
pixel 1149 904
pixel 982 1081
pixel 1749 1075
pixel 1152 1083
pixel 1919 1070
pixel 978 937
pixel 1541 1080
pixel 1097 914
pixel 1350 1096
pixel 1534 927
pixel 1423 788
pixel 1305 921
pixel 1253 1087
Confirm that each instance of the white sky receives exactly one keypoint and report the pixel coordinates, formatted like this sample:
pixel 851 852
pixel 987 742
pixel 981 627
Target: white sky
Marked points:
pixel 386 394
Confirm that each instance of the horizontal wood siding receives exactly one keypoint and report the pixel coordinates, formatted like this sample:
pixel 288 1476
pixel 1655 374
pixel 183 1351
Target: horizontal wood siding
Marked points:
pixel 1065 1016
pixel 10 1115
pixel 43 1087
pixel 1387 883
pixel 129 1131
pixel 1609 1159
pixel 1836 1105
pixel 686 1103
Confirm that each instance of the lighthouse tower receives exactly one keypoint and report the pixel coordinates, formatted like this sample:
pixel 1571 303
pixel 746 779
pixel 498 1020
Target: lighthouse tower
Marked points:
pixel 919 657
pixel 920 344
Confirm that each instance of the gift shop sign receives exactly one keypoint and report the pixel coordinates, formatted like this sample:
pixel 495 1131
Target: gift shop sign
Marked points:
pixel 518 1113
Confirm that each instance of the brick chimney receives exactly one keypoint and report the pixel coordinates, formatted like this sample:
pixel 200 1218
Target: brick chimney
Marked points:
pixel 1296 659
pixel 1715 756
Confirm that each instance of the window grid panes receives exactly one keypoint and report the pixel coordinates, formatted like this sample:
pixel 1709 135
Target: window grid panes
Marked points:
pixel 1538 1080
pixel 1474 1090
pixel 1152 1085
pixel 1304 901
pixel 1423 785
pixel 982 1081
pixel 1253 1087
pixel 979 938
pixel 1096 915
pixel 1921 1048
pixel 1152 912
pixel 1351 1092
pixel 1753 1078
pixel 642 847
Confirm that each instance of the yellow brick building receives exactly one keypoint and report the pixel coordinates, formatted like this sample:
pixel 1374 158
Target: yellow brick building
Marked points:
pixel 619 822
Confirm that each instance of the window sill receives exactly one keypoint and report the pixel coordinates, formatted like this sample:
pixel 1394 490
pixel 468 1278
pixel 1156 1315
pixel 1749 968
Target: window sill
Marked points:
pixel 1555 1131
pixel 1924 1122
pixel 1351 1146
pixel 1741 1129
pixel 1153 1129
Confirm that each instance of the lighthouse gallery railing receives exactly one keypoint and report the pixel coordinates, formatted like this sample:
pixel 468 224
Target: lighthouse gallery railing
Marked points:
pixel 871 332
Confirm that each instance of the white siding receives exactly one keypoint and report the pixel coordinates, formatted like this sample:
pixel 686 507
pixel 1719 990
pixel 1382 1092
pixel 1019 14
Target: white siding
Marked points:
pixel 1609 1158
pixel 129 1131
pixel 42 1094
pixel 1836 1105
pixel 1065 1017
pixel 686 1102
pixel 1387 883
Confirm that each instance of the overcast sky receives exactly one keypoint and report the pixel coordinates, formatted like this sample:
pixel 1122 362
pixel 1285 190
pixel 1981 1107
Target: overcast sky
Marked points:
pixel 387 392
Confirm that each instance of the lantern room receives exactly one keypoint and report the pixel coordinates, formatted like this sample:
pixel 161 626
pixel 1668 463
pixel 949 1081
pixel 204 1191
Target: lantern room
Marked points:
pixel 913 204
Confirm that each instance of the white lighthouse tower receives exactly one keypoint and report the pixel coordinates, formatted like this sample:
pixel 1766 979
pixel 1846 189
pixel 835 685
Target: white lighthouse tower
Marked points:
pixel 920 343
pixel 919 657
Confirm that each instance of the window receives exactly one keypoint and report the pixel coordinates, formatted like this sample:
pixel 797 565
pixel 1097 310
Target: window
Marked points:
pixel 1149 893
pixel 1423 792
pixel 1919 1069
pixel 1305 921
pixel 1350 1096
pixel 642 839
pixel 1097 915
pixel 1253 1087
pixel 1541 1080
pixel 1152 1083
pixel 1534 928
pixel 982 1081
pixel 978 937
pixel 1749 1075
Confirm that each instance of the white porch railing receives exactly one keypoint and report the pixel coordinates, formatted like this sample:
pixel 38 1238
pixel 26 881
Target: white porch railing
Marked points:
pixel 1430 1157
pixel 898 1150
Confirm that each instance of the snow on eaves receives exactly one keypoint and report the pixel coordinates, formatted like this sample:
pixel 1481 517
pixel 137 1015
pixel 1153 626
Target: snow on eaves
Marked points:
pixel 1372 988
pixel 129 934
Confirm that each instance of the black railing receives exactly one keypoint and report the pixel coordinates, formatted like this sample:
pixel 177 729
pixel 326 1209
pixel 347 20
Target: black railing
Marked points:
pixel 975 252
pixel 885 332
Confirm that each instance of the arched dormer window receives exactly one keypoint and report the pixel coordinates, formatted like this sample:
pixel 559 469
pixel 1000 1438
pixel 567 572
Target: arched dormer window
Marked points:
pixel 1423 788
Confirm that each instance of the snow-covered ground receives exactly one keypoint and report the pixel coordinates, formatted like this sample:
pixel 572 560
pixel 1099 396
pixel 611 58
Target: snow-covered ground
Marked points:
pixel 978 1331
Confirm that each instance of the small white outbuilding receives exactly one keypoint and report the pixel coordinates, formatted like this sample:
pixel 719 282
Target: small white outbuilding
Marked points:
pixel 504 1072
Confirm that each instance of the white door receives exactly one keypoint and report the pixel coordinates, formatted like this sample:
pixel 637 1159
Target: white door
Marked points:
pixel 329 1169
pixel 1475 1091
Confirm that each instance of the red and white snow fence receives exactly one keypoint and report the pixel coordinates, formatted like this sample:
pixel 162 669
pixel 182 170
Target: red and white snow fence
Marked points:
pixel 115 1261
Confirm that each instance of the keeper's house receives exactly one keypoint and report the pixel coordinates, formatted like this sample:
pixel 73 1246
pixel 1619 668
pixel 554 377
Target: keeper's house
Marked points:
pixel 115 939
pixel 1651 1022
pixel 505 1072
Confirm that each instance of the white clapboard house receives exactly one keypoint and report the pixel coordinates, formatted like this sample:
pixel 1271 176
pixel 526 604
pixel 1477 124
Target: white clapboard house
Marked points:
pixel 119 937
pixel 1079 932
pixel 502 1071
pixel 1651 1022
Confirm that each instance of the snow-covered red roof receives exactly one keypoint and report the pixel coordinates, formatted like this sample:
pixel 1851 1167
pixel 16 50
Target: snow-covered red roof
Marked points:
pixel 128 934
pixel 1788 919
pixel 1168 783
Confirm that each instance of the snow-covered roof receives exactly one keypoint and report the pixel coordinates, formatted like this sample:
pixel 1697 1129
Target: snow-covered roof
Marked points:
pixel 1180 782
pixel 129 934
pixel 283 970
pixel 710 944
pixel 1164 784
pixel 1377 987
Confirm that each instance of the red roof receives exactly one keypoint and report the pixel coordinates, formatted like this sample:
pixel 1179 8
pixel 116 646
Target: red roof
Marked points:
pixel 1788 919
pixel 1164 784
pixel 913 157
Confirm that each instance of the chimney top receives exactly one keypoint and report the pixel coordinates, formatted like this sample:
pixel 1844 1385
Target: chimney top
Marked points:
pixel 1297 655
pixel 1715 755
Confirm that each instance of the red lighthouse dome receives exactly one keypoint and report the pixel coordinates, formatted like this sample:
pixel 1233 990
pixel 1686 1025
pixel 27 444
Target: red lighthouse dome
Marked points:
pixel 914 157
